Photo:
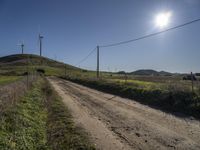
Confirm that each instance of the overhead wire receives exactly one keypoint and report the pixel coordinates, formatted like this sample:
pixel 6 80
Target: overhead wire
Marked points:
pixel 139 38
pixel 85 58
pixel 149 35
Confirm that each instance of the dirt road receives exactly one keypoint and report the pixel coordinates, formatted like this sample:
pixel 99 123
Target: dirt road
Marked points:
pixel 117 123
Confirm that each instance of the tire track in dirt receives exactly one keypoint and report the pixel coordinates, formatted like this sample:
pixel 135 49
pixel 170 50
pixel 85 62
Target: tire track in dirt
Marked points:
pixel 102 137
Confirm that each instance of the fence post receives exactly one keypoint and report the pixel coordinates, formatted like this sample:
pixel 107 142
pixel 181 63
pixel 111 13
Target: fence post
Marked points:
pixel 27 79
pixel 97 61
pixel 192 79
pixel 65 71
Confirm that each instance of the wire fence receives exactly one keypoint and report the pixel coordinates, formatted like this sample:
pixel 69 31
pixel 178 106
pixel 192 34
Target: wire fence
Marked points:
pixel 10 93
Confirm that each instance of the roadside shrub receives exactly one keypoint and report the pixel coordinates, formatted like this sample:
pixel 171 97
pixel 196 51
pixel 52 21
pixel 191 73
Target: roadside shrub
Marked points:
pixel 41 71
pixel 84 71
pixel 25 73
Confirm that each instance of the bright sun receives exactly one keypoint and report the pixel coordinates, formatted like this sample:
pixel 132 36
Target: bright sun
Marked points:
pixel 162 19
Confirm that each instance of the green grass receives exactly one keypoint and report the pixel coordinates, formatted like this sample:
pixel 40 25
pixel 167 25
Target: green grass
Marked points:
pixel 139 84
pixel 23 126
pixel 166 85
pixel 40 121
pixel 8 79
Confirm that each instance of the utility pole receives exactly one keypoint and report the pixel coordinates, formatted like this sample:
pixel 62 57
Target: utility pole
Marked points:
pixel 40 40
pixel 97 61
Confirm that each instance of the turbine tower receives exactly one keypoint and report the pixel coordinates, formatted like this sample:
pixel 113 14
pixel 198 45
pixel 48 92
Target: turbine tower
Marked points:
pixel 22 47
pixel 40 40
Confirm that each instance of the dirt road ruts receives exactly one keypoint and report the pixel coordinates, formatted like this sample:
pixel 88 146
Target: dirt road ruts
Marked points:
pixel 117 123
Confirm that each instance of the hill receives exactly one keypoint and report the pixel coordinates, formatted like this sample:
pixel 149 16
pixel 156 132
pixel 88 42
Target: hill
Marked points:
pixel 144 72
pixel 17 65
pixel 150 72
pixel 147 72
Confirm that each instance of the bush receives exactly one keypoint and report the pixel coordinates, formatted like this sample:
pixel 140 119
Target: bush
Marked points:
pixel 197 74
pixel 41 71
pixel 25 73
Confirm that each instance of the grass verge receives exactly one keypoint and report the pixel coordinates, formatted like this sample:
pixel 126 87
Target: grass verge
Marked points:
pixel 23 126
pixel 40 121
pixel 61 131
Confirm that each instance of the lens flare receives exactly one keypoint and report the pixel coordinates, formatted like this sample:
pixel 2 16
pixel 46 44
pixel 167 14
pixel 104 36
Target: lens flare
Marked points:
pixel 163 19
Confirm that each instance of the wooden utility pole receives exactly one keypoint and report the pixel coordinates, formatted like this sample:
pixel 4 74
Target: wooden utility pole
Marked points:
pixel 97 61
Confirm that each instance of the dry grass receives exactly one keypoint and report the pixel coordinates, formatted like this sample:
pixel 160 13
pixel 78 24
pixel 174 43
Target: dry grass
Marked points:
pixel 11 92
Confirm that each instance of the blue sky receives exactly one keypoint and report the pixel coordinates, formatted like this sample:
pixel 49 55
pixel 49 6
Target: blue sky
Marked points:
pixel 72 28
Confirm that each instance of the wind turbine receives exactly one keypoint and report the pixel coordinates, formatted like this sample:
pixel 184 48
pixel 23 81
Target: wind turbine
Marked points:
pixel 40 42
pixel 22 47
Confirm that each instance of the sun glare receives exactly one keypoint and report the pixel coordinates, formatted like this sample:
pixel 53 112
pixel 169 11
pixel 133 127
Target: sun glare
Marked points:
pixel 162 19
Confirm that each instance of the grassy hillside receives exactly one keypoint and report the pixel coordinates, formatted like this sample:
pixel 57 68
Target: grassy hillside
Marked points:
pixel 20 63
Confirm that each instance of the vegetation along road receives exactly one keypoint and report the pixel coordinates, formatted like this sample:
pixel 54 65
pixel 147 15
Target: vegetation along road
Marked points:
pixel 117 123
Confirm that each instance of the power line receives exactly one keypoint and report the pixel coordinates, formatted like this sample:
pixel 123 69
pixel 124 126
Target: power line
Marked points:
pixel 149 35
pixel 86 57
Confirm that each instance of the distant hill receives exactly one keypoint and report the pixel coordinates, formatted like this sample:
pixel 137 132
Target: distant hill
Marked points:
pixel 148 72
pixel 144 72
pixel 17 64
pixel 164 73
